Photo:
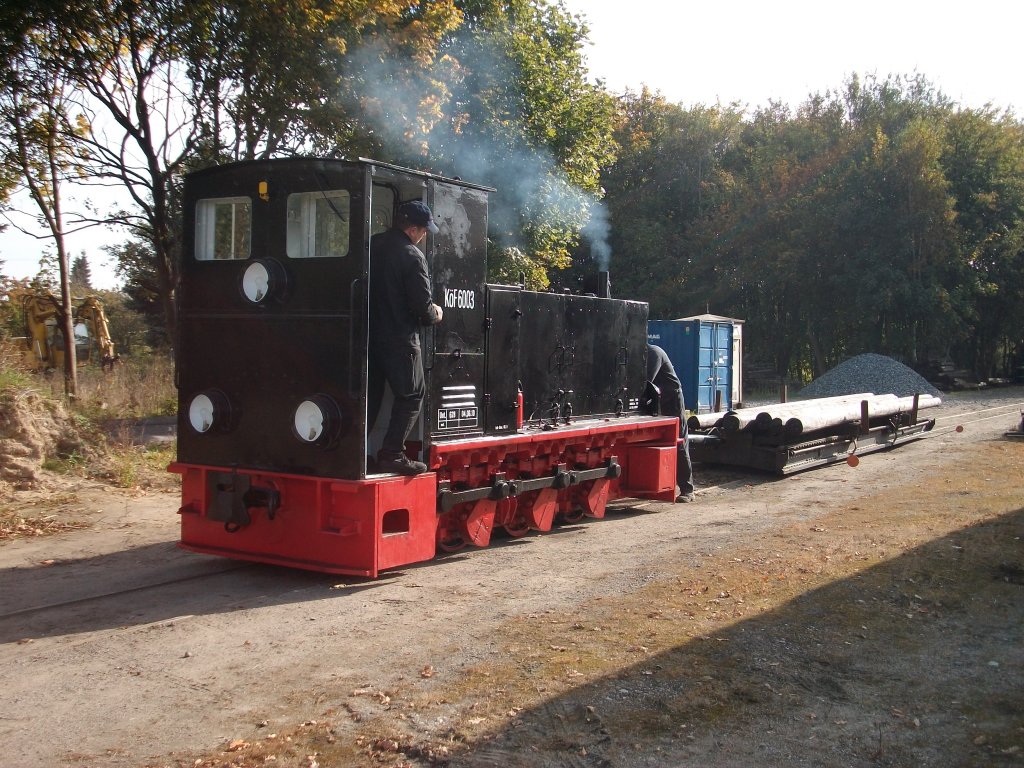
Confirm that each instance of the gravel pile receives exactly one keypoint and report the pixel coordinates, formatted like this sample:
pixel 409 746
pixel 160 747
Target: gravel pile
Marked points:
pixel 869 373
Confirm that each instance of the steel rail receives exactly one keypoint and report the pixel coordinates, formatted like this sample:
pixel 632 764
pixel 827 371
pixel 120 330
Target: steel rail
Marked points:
pixel 947 429
pixel 128 591
pixel 1012 406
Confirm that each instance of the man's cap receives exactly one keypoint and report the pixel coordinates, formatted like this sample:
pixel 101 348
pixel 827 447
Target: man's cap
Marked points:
pixel 419 214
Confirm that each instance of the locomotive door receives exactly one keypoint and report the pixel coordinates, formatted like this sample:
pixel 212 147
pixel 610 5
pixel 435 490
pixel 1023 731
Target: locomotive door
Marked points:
pixel 454 348
pixel 501 384
pixel 608 339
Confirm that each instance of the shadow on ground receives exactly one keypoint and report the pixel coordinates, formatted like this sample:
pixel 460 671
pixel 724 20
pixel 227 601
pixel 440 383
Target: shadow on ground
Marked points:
pixel 918 661
pixel 157 582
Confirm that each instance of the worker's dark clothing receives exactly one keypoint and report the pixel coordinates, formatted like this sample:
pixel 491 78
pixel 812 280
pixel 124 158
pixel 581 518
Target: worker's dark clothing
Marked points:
pixel 400 300
pixel 661 373
pixel 400 303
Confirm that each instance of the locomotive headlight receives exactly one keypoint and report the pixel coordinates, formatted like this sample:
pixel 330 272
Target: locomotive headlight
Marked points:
pixel 209 410
pixel 256 282
pixel 262 280
pixel 317 420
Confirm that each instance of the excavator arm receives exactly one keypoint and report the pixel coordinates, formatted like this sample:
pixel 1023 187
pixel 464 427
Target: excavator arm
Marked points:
pixel 90 311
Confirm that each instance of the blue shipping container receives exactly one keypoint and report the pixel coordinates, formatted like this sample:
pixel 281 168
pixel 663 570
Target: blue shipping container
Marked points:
pixel 701 351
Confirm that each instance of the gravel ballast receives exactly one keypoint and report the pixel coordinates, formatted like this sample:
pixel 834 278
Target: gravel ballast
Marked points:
pixel 869 373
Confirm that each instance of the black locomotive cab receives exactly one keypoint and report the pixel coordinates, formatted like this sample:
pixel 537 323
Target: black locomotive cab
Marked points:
pixel 273 317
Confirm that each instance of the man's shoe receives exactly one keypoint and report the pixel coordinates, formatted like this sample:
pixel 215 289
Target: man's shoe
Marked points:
pixel 400 465
pixel 684 498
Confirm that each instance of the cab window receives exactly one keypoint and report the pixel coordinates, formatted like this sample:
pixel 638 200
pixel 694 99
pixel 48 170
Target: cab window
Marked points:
pixel 382 209
pixel 319 224
pixel 223 228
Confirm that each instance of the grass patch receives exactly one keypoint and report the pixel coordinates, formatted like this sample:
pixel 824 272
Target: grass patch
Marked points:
pixel 142 466
pixel 90 438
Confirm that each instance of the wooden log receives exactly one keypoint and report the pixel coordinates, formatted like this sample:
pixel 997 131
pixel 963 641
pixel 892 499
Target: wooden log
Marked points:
pixel 792 418
pixel 827 416
pixel 741 418
pixel 764 417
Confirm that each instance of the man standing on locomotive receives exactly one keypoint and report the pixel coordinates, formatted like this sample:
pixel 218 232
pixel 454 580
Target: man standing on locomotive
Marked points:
pixel 400 304
pixel 663 376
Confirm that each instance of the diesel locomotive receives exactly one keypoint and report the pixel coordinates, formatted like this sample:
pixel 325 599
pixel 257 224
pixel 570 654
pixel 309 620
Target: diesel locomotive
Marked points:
pixel 537 405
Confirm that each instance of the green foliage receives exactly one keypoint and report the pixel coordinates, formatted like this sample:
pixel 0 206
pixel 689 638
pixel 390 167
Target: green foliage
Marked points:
pixel 142 321
pixel 669 177
pixel 275 78
pixel 506 103
pixel 72 463
pixel 14 374
pixel 133 465
pixel 882 219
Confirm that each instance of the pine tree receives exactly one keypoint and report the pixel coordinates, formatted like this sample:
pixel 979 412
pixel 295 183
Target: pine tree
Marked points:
pixel 81 277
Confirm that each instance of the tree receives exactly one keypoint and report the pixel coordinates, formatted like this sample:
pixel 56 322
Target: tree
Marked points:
pixel 506 103
pixel 135 261
pixel 830 230
pixel 256 110
pixel 81 275
pixel 36 108
pixel 984 161
pixel 669 179
pixel 542 132
pixel 139 113
pixel 170 85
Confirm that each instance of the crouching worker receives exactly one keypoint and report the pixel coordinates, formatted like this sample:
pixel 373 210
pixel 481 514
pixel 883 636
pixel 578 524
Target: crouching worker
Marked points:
pixel 400 304
pixel 663 376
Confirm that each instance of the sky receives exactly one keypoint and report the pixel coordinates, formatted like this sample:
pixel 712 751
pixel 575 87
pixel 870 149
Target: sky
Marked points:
pixel 751 52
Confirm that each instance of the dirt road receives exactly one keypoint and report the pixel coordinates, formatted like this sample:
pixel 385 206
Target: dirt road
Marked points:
pixel 843 616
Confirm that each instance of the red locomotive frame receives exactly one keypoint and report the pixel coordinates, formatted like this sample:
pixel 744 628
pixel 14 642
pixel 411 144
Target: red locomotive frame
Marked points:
pixel 362 527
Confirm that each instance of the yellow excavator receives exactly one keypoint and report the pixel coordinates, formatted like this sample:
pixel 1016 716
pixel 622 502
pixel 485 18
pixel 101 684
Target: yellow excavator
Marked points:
pixel 41 310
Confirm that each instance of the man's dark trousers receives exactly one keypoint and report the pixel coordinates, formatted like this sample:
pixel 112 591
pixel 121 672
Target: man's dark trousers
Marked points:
pixel 401 365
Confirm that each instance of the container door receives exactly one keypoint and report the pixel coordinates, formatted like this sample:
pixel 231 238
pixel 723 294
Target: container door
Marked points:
pixel 723 364
pixel 707 373
pixel 714 356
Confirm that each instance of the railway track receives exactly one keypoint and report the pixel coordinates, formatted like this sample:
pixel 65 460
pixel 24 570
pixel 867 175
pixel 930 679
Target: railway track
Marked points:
pixel 78 601
pixel 722 480
pixel 958 421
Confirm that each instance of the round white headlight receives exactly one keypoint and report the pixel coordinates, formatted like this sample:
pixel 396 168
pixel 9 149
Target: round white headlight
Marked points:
pixel 201 413
pixel 256 282
pixel 310 421
pixel 210 410
pixel 317 420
